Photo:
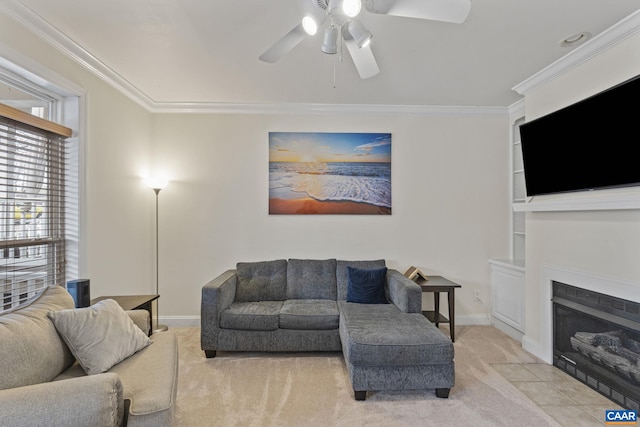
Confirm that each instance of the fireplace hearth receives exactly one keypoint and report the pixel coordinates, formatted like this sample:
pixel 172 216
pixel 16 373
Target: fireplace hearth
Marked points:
pixel 596 339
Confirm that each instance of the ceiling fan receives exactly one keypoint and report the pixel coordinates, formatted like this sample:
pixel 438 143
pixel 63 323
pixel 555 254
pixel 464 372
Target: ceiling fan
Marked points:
pixel 343 26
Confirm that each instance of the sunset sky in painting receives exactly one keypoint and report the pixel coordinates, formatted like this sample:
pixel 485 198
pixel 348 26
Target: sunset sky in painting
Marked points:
pixel 329 147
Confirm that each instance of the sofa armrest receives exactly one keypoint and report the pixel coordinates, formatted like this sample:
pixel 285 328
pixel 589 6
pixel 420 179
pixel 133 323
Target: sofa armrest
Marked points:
pixel 94 400
pixel 217 295
pixel 142 319
pixel 403 292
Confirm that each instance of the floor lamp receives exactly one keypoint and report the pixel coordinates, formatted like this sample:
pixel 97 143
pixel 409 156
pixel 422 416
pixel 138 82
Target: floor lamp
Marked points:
pixel 157 185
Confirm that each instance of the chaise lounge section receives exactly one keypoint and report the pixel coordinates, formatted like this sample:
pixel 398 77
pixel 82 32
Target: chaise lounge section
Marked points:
pixel 387 349
pixel 310 305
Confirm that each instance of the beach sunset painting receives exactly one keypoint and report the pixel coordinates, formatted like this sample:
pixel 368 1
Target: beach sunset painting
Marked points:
pixel 329 173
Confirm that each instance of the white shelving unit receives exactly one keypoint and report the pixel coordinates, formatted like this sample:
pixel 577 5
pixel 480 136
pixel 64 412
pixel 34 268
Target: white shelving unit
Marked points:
pixel 518 192
pixel 508 275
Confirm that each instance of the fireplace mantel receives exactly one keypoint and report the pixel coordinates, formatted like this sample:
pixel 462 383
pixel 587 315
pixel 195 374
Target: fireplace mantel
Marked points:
pixel 609 199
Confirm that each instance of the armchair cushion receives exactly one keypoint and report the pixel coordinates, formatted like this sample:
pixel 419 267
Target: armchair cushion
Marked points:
pixel 99 336
pixel 31 351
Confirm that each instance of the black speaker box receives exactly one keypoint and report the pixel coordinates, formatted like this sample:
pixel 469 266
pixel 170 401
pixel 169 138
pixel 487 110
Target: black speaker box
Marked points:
pixel 79 290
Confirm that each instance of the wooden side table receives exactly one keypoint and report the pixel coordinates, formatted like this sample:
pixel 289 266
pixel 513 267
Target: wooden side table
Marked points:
pixel 133 302
pixel 437 284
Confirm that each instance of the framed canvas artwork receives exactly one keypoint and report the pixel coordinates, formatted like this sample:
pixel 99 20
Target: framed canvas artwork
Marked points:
pixel 329 173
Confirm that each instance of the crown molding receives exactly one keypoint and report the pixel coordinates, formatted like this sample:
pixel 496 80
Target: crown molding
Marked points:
pixel 325 109
pixel 600 43
pixel 51 35
pixel 517 109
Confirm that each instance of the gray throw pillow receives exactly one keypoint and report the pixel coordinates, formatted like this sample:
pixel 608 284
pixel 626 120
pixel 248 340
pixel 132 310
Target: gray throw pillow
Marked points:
pixel 99 336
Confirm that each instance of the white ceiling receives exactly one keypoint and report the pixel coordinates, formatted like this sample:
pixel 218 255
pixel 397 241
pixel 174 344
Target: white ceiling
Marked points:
pixel 206 51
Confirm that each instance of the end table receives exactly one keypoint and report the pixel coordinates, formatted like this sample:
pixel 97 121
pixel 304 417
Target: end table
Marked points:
pixel 437 284
pixel 133 302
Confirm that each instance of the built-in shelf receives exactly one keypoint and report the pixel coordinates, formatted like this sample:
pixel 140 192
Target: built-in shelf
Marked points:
pixel 518 190
pixel 610 199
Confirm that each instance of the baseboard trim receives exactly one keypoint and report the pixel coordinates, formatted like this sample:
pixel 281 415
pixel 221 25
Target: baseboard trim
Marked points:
pixel 473 320
pixel 534 347
pixel 180 321
pixel 508 329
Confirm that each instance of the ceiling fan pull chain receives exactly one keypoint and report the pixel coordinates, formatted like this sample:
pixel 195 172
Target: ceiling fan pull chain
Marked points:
pixel 338 57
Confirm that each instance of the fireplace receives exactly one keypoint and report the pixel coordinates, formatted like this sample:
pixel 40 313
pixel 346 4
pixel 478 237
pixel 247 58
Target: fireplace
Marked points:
pixel 596 339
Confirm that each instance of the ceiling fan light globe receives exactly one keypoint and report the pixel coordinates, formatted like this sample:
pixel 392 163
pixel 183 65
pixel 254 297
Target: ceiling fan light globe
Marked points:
pixel 351 8
pixel 330 41
pixel 309 25
pixel 359 33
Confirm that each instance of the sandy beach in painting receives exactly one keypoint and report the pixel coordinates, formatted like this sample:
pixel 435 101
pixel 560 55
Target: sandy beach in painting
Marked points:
pixel 312 206
pixel 333 188
pixel 329 173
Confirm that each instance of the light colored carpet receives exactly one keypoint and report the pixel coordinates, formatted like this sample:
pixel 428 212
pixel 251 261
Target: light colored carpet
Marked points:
pixel 312 389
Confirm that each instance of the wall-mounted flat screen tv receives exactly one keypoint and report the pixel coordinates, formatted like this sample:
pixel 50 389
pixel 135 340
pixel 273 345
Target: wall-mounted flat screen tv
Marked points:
pixel 591 144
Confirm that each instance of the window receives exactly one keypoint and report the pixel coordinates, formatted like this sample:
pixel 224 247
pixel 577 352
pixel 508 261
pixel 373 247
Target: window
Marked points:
pixel 32 205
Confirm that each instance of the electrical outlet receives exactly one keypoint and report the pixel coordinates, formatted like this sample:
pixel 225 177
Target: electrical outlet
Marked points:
pixel 476 295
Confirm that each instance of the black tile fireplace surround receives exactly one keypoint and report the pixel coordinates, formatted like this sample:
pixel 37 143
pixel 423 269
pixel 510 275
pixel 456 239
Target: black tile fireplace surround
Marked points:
pixel 596 339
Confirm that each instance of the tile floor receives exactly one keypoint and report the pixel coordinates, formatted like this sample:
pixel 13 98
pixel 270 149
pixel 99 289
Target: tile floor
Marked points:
pixel 567 400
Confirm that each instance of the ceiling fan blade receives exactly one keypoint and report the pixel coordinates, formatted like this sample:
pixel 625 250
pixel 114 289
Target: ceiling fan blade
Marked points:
pixel 454 11
pixel 363 59
pixel 284 45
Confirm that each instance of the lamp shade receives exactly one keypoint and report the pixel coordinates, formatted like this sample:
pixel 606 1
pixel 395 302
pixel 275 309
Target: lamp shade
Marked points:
pixel 157 183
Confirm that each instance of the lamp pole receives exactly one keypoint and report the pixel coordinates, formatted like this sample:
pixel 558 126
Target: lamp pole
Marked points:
pixel 159 328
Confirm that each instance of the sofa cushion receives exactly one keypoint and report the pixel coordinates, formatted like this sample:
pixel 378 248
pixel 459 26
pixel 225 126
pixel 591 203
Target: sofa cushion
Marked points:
pixel 32 352
pixel 367 286
pixel 252 316
pixel 99 336
pixel 342 274
pixel 309 314
pixel 261 281
pixel 311 279
pixel 380 334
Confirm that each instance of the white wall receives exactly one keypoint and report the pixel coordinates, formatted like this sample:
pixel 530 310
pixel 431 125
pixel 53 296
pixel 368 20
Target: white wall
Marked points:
pixel 118 212
pixel 449 195
pixel 605 243
pixel 449 184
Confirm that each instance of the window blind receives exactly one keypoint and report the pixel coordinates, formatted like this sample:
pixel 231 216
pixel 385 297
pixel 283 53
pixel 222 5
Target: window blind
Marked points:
pixel 32 206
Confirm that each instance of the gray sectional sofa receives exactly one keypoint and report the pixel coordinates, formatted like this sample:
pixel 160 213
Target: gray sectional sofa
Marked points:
pixel 308 305
pixel 42 384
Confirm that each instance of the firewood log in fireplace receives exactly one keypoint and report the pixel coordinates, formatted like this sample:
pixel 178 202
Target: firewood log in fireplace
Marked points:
pixel 611 350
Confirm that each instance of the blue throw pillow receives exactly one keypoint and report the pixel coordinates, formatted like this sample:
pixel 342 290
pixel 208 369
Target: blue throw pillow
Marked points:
pixel 366 286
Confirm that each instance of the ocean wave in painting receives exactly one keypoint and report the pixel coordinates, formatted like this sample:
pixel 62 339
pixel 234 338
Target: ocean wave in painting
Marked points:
pixel 347 181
